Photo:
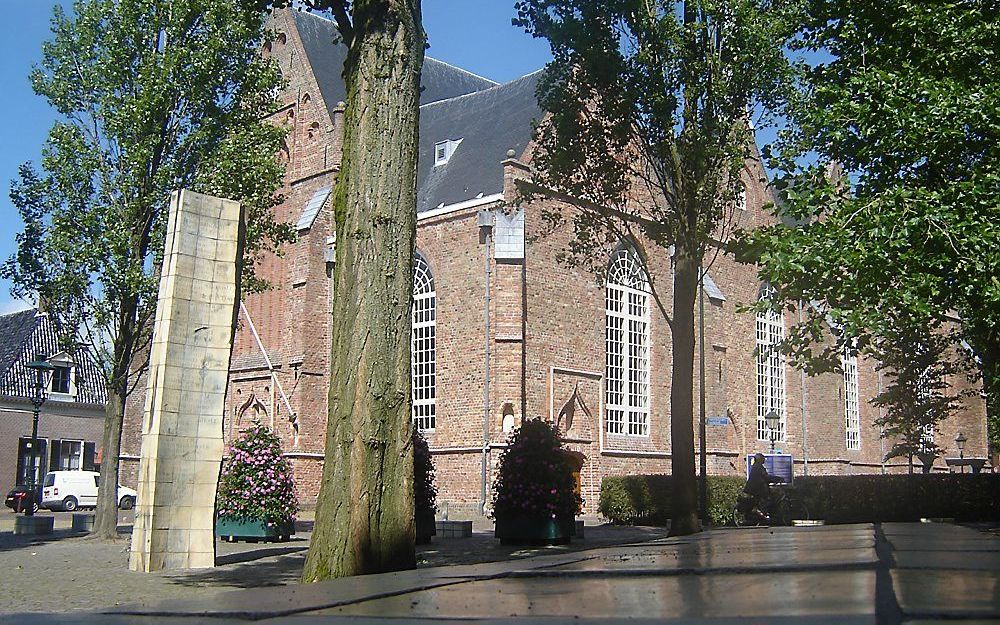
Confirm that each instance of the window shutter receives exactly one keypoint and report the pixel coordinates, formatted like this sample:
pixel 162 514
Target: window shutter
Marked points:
pixel 89 454
pixel 54 456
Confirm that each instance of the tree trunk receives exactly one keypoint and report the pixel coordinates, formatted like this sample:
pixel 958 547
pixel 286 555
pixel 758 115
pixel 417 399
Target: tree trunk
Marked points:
pixel 684 518
pixel 106 520
pixel 364 516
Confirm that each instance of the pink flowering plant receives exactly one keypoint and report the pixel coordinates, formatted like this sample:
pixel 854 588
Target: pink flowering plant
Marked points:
pixel 257 482
pixel 535 479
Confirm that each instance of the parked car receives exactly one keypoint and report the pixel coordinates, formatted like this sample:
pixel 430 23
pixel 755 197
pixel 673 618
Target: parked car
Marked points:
pixel 17 498
pixel 69 490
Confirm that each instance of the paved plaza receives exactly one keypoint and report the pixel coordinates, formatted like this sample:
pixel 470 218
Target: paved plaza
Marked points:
pixel 891 573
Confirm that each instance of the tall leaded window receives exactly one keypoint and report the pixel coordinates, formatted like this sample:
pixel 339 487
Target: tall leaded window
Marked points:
pixel 852 403
pixel 770 369
pixel 627 345
pixel 423 350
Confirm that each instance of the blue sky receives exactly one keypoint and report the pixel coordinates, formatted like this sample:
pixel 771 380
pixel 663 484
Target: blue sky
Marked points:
pixel 473 34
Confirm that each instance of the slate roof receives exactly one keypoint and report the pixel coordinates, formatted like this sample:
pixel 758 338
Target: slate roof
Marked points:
pixel 24 334
pixel 438 81
pixel 489 122
pixel 490 118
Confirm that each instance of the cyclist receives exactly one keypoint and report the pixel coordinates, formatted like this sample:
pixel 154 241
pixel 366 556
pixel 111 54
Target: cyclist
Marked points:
pixel 757 488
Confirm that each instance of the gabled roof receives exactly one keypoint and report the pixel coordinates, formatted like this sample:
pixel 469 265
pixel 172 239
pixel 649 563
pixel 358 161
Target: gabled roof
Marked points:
pixel 15 330
pixel 489 123
pixel 489 118
pixel 25 334
pixel 438 80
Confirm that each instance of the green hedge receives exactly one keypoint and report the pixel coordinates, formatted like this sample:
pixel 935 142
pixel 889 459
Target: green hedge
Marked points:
pixel 646 499
pixel 875 498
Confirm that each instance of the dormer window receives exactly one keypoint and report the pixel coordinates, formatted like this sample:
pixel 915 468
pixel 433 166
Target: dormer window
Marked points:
pixel 62 380
pixel 62 376
pixel 443 150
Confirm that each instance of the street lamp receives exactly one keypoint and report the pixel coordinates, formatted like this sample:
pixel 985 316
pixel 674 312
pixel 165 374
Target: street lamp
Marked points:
pixel 960 443
pixel 772 419
pixel 42 369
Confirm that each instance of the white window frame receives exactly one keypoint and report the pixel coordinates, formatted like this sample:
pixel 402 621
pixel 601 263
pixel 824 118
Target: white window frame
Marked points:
pixel 770 369
pixel 852 401
pixel 627 346
pixel 423 347
pixel 63 457
pixel 444 149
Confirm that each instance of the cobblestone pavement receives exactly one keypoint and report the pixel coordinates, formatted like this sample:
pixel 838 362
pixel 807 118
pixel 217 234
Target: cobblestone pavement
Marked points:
pixel 67 572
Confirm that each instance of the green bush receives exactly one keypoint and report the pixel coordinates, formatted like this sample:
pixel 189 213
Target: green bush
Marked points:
pixel 646 499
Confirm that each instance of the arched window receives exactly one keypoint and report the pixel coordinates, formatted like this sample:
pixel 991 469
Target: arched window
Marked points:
pixel 770 368
pixel 852 404
pixel 627 346
pixel 423 351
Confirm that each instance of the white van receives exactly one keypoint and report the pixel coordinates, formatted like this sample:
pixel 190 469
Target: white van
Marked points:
pixel 69 490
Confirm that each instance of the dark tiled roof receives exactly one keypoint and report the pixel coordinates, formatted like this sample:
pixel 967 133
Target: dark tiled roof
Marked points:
pixel 24 334
pixel 489 118
pixel 438 81
pixel 15 329
pixel 489 123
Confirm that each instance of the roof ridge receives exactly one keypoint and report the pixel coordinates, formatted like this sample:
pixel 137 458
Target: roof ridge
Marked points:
pixel 496 86
pixel 463 70
pixel 426 57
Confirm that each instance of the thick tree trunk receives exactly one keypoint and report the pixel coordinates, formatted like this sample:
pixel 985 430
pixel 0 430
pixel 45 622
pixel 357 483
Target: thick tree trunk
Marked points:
pixel 364 516
pixel 684 518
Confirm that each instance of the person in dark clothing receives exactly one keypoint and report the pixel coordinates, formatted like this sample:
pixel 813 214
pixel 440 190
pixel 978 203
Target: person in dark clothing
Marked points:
pixel 758 487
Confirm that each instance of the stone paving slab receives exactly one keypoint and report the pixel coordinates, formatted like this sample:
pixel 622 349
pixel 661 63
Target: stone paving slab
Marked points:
pixel 305 597
pixel 723 560
pixel 962 560
pixel 802 594
pixel 931 594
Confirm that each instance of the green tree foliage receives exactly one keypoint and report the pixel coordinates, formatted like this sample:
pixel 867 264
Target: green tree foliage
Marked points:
pixel 152 96
pixel 650 99
pixel 904 99
pixel 424 490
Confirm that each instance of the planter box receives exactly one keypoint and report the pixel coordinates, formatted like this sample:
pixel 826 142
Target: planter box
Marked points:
pixel 526 531
pixel 424 528
pixel 83 522
pixel 454 529
pixel 231 530
pixel 33 525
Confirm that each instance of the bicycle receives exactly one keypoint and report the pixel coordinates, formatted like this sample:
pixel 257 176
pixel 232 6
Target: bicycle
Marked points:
pixel 784 508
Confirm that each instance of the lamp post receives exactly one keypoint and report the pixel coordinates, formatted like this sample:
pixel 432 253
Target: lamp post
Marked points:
pixel 773 420
pixel 960 443
pixel 42 369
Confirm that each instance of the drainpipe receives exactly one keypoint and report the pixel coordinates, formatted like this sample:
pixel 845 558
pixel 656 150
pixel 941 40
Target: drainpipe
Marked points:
pixel 805 428
pixel 702 444
pixel 485 221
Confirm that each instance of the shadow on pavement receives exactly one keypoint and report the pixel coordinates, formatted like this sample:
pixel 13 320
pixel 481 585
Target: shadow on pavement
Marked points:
pixel 257 554
pixel 10 541
pixel 253 572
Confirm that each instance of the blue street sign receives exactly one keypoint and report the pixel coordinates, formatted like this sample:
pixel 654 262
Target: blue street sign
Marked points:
pixel 717 420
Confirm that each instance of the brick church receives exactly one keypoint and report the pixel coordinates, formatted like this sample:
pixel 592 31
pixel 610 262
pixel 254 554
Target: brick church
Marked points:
pixel 502 331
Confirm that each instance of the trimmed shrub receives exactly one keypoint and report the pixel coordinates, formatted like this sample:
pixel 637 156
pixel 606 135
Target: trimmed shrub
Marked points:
pixel 646 499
